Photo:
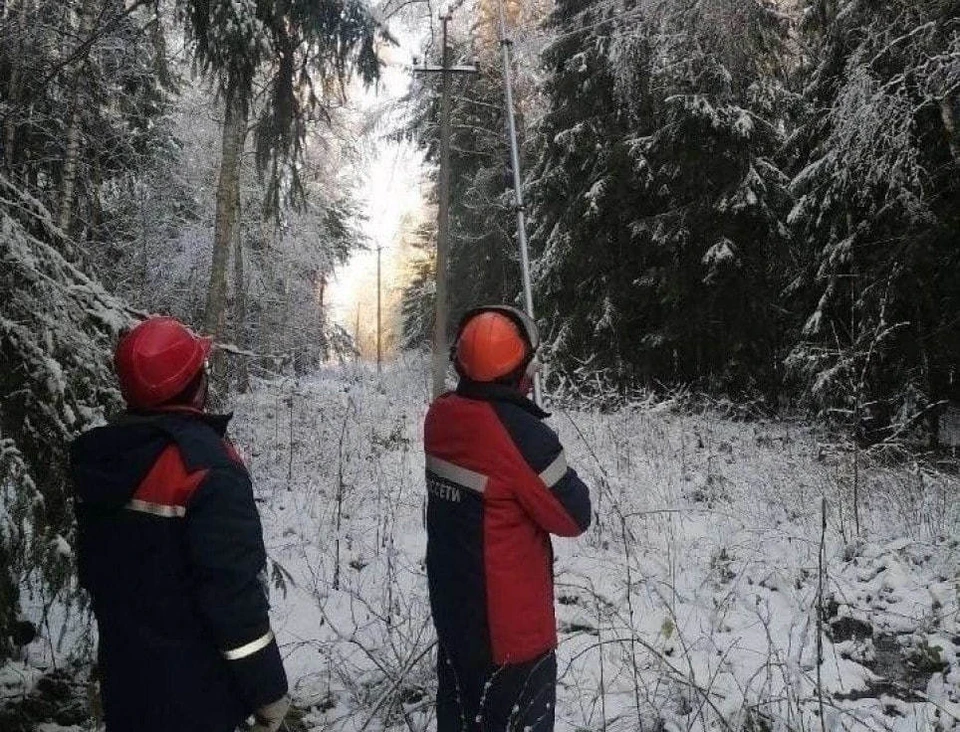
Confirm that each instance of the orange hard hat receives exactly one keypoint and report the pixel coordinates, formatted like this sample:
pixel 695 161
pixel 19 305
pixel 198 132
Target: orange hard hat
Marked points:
pixel 493 342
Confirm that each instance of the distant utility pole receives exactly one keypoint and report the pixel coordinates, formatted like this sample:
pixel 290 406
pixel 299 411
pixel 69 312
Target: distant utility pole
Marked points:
pixel 505 44
pixel 356 333
pixel 379 351
pixel 443 217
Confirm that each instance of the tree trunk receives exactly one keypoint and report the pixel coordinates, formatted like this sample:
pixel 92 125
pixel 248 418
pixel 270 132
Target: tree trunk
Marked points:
pixel 70 167
pixel 950 126
pixel 144 244
pixel 16 88
pixel 264 321
pixel 240 307
pixel 96 203
pixel 234 134
pixel 72 154
pixel 161 66
pixel 286 344
pixel 322 330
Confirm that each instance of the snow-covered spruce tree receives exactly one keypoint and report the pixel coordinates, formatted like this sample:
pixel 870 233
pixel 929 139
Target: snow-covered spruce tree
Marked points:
pixel 580 143
pixel 658 210
pixel 57 327
pixel 289 267
pixel 877 217
pixel 301 52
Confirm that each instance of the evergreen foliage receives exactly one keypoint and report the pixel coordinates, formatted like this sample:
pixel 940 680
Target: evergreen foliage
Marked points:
pixel 418 300
pixel 82 99
pixel 658 206
pixel 295 54
pixel 107 170
pixel 105 88
pixel 755 198
pixel 877 217
pixel 57 329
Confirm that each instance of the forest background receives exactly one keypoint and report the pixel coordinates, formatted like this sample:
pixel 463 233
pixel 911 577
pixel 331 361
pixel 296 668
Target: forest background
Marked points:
pixel 752 201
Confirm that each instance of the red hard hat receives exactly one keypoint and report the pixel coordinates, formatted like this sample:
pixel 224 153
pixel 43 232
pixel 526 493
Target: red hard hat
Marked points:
pixel 493 342
pixel 157 360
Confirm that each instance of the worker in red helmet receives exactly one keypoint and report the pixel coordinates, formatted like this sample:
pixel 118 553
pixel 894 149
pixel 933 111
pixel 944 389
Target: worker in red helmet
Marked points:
pixel 171 551
pixel 498 485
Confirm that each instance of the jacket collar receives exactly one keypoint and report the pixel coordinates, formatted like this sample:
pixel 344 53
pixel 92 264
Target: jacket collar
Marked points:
pixel 218 422
pixel 491 392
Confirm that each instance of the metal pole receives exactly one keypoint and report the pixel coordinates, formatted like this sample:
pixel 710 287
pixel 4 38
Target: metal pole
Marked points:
pixel 505 44
pixel 379 352
pixel 443 226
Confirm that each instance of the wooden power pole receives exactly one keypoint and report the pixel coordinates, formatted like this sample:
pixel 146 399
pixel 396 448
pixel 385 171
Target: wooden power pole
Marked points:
pixel 443 217
pixel 356 334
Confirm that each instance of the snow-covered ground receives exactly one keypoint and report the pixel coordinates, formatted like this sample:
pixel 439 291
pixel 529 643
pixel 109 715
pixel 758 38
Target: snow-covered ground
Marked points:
pixel 690 604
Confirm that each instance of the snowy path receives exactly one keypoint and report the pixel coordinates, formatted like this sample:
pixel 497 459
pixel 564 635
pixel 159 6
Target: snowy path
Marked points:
pixel 693 598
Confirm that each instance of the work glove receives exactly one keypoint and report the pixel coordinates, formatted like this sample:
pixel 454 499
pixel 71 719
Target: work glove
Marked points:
pixel 270 716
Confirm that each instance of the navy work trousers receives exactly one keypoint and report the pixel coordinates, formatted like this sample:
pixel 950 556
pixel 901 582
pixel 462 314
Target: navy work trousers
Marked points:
pixel 509 698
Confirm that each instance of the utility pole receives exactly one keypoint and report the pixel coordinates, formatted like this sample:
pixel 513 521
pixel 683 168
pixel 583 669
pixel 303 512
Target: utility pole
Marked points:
pixel 443 217
pixel 356 333
pixel 379 351
pixel 505 44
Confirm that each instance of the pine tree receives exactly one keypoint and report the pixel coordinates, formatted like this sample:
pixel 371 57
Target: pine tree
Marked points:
pixel 483 258
pixel 80 99
pixel 580 153
pixel 81 111
pixel 417 301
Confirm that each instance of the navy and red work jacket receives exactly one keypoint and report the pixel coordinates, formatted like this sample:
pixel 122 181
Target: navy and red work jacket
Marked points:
pixel 498 485
pixel 171 551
